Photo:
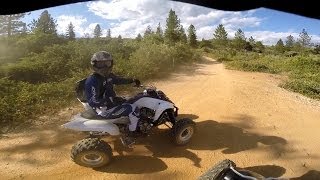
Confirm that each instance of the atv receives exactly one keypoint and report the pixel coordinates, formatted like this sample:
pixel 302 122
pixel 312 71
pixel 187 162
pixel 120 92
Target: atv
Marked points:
pixel 154 109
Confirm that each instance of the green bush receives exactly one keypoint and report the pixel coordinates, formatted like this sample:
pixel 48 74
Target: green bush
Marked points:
pixel 152 60
pixel 304 86
pixel 303 70
pixel 22 101
pixel 37 42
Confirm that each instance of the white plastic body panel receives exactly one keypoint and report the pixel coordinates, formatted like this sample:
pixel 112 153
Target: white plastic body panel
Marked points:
pixel 79 123
pixel 156 104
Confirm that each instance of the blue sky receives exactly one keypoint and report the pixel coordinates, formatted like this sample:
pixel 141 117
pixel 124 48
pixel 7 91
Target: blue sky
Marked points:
pixel 128 18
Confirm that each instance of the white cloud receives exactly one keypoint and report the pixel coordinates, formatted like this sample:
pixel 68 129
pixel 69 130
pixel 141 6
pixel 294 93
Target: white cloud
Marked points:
pixel 271 38
pixel 120 10
pixel 132 17
pixel 128 18
pixel 80 25
pixel 239 22
pixel 206 32
pixel 89 30
pixel 77 21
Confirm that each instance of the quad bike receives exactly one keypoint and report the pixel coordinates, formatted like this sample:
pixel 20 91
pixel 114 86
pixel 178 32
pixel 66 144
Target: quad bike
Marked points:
pixel 154 109
pixel 227 170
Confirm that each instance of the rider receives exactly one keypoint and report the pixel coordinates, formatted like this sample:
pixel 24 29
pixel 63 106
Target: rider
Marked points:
pixel 99 92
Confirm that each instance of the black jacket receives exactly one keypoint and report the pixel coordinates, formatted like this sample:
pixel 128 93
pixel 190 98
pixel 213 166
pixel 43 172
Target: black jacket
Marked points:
pixel 99 90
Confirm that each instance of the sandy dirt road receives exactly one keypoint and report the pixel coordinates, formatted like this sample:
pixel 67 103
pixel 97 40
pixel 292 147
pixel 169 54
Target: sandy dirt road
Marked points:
pixel 241 116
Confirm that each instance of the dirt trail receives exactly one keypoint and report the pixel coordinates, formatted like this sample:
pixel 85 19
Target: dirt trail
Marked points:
pixel 241 116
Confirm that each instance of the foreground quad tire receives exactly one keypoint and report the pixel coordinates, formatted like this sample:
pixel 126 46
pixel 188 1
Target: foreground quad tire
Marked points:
pixel 91 152
pixel 183 131
pixel 222 170
pixel 217 171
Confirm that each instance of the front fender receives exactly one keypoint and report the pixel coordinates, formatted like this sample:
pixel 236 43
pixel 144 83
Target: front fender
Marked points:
pixel 161 108
pixel 79 123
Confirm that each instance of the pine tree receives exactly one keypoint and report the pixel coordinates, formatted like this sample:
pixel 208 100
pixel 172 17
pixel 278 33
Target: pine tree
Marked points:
pixel 70 32
pixel 239 39
pixel 183 36
pixel 24 29
pixel 159 31
pixel 139 37
pixel 192 36
pixel 290 41
pixel 109 34
pixel 220 35
pixel 239 35
pixel 172 34
pixel 11 24
pixel 97 31
pixel 251 40
pixel 280 46
pixel 148 31
pixel 259 46
pixel 120 40
pixel 304 39
pixel 44 24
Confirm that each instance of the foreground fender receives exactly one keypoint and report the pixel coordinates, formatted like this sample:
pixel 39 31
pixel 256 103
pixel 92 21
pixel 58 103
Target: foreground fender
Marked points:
pixel 162 107
pixel 156 104
pixel 79 123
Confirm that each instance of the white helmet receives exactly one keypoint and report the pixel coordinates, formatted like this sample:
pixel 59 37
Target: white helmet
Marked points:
pixel 102 63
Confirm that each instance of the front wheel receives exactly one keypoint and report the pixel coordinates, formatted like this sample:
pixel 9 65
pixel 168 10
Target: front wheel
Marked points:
pixel 91 152
pixel 182 131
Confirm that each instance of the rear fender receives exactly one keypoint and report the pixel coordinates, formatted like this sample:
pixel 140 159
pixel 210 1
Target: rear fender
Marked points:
pixel 79 123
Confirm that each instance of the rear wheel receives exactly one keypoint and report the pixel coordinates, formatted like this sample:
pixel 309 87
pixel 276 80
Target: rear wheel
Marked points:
pixel 91 152
pixel 182 131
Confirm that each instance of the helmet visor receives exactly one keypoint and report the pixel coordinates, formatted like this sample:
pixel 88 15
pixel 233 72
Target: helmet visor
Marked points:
pixel 102 64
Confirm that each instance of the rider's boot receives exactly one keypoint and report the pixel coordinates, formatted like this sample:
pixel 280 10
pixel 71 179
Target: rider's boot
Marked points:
pixel 128 139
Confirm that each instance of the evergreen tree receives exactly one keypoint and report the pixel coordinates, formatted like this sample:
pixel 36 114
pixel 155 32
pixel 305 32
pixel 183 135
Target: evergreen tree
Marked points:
pixel 97 31
pixel 109 33
pixel 251 40
pixel 44 24
pixel 139 37
pixel 70 32
pixel 11 24
pixel 172 34
pixel 148 31
pixel 159 31
pixel 220 35
pixel 24 29
pixel 290 41
pixel 304 38
pixel 239 39
pixel 183 36
pixel 192 37
pixel 280 46
pixel 120 40
pixel 239 35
